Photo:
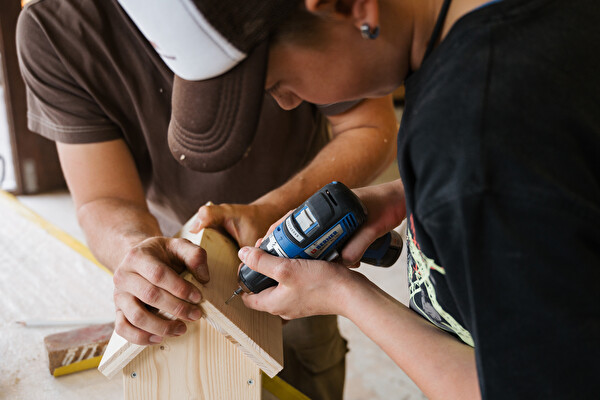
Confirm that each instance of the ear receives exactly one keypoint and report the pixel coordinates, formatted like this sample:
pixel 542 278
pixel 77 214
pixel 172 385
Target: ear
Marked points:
pixel 366 12
pixel 360 11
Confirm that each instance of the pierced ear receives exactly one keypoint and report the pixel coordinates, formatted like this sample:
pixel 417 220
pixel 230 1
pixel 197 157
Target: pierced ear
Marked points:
pixel 366 12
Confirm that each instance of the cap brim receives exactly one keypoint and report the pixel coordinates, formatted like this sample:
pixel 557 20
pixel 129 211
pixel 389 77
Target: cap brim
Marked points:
pixel 214 121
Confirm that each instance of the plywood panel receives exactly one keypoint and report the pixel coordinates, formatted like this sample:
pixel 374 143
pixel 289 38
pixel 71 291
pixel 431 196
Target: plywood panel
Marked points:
pixel 202 364
pixel 258 334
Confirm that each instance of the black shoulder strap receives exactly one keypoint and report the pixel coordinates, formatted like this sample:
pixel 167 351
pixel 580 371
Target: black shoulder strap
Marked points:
pixel 438 28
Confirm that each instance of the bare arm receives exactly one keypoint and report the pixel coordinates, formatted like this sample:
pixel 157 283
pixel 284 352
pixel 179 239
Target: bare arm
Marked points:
pixel 363 145
pixel 442 366
pixel 108 196
pixel 125 237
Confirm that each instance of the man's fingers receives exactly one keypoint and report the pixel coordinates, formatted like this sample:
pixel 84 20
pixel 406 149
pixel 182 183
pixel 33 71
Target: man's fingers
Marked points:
pixel 194 258
pixel 133 334
pixel 138 324
pixel 139 288
pixel 161 276
pixel 208 216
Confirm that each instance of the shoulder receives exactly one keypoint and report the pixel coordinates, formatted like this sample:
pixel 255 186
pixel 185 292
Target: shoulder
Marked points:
pixel 50 26
pixel 67 23
pixel 505 104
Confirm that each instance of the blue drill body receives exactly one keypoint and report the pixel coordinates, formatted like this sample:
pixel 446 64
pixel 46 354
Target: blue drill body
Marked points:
pixel 318 229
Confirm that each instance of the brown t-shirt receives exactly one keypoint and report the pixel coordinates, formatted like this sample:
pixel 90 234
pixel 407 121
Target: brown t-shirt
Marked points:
pixel 91 76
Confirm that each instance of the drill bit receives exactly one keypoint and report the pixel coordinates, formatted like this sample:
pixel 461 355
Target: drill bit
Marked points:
pixel 235 293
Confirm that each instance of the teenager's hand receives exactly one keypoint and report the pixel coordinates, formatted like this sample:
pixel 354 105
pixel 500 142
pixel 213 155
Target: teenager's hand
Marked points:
pixel 386 207
pixel 305 287
pixel 148 278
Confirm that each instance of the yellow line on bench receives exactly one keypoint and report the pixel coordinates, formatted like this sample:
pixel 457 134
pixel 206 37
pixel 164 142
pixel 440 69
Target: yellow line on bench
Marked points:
pixel 14 204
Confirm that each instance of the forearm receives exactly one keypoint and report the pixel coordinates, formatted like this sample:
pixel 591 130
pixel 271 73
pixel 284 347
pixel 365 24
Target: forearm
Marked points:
pixel 109 198
pixel 363 145
pixel 113 226
pixel 439 364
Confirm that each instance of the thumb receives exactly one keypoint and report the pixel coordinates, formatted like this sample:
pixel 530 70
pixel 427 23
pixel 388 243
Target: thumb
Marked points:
pixel 261 261
pixel 358 244
pixel 208 216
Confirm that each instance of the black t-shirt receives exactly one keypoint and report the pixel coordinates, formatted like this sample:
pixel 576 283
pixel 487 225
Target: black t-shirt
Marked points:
pixel 91 76
pixel 499 153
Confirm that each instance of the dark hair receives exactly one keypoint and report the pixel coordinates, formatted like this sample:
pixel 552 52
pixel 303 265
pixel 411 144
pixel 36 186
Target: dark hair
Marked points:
pixel 300 27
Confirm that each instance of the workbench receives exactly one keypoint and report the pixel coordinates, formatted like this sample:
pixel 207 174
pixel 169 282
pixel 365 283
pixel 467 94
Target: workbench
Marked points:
pixel 45 274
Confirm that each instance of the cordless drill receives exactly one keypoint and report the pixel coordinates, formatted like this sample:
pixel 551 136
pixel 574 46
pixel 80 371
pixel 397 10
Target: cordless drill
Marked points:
pixel 318 230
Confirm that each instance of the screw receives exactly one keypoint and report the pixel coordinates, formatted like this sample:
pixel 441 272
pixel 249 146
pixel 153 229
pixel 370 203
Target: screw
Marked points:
pixel 250 382
pixel 133 374
pixel 162 347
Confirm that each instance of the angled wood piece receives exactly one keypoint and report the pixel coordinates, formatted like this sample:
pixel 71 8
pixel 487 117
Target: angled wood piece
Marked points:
pixel 256 334
pixel 119 352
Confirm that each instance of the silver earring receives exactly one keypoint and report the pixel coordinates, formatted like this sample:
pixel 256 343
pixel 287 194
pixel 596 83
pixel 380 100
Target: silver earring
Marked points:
pixel 367 33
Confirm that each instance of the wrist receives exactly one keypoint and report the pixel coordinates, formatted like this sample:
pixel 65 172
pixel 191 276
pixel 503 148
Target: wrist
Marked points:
pixel 271 207
pixel 289 196
pixel 123 245
pixel 353 287
pixel 361 298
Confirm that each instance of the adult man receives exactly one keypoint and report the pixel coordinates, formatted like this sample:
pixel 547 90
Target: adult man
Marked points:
pixel 99 88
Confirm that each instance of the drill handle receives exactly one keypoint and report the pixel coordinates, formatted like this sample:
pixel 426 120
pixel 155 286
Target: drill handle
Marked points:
pixel 384 251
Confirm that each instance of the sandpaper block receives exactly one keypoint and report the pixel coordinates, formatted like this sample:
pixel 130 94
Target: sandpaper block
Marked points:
pixel 78 349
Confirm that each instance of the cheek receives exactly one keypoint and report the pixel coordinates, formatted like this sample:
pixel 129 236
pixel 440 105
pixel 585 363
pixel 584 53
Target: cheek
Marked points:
pixel 330 87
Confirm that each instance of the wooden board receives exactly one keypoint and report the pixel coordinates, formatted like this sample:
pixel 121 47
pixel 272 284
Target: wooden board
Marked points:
pixel 256 334
pixel 202 364
pixel 119 352
pixel 28 241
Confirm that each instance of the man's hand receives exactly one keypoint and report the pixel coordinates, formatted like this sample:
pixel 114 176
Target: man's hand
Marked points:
pixel 144 281
pixel 245 223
